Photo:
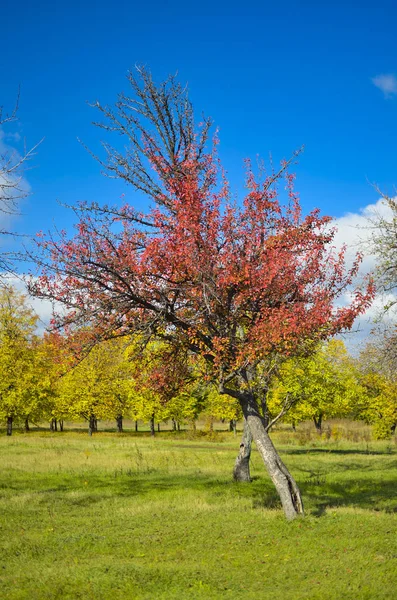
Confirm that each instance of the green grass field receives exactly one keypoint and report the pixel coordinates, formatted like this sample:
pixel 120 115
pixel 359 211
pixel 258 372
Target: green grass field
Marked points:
pixel 125 516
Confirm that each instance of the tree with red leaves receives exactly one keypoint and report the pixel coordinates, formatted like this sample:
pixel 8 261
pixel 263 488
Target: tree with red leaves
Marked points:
pixel 234 283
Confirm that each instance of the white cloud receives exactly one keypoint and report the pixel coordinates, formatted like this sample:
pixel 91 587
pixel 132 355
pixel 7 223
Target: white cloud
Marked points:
pixel 355 230
pixel 387 84
pixel 42 308
pixel 10 198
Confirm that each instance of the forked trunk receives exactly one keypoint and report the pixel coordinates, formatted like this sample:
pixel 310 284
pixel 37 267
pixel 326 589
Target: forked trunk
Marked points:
pixel 9 425
pixel 318 423
pixel 284 482
pixel 173 425
pixel 60 424
pixel 241 471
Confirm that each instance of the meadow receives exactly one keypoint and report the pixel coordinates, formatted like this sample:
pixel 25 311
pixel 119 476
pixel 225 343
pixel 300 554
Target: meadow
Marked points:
pixel 130 516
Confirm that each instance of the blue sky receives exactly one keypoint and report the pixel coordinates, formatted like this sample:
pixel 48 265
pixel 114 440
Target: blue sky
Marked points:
pixel 273 76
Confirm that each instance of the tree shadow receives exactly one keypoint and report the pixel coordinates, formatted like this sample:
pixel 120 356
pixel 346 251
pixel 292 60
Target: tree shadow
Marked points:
pixel 369 493
pixel 82 489
pixel 367 452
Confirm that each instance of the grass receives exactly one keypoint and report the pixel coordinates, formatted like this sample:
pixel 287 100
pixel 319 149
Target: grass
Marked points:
pixel 125 516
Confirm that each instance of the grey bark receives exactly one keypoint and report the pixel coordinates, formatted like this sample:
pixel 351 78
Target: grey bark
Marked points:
pixel 9 425
pixel 285 484
pixel 241 471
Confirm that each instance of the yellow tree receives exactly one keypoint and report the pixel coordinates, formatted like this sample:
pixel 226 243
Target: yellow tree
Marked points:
pixel 317 387
pixel 378 379
pixel 220 407
pixel 97 387
pixel 162 378
pixel 23 386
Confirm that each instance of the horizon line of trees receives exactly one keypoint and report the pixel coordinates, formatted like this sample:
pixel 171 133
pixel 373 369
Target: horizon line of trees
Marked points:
pixel 43 379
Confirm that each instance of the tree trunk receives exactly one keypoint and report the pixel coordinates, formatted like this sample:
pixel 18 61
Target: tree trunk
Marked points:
pixel 9 425
pixel 119 421
pixel 265 410
pixel 91 425
pixel 233 426
pixel 27 428
pixel 178 425
pixel 152 431
pixel 241 471
pixel 60 424
pixel 285 484
pixel 318 423
pixel 158 427
pixel 53 425
pixel 173 425
pixel 136 426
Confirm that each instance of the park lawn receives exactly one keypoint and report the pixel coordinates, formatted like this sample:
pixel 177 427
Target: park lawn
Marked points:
pixel 125 516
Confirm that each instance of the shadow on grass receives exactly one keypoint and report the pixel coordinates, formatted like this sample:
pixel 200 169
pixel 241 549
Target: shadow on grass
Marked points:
pixel 83 490
pixel 367 452
pixel 368 494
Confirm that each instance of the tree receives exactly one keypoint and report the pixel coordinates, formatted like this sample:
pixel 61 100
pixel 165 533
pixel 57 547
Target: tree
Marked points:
pixel 378 379
pixel 162 377
pixel 316 387
pixel 12 186
pixel 231 283
pixel 382 227
pixel 97 387
pixel 23 385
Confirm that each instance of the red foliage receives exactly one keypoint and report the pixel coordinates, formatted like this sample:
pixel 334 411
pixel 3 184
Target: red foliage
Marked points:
pixel 230 282
pixel 163 370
